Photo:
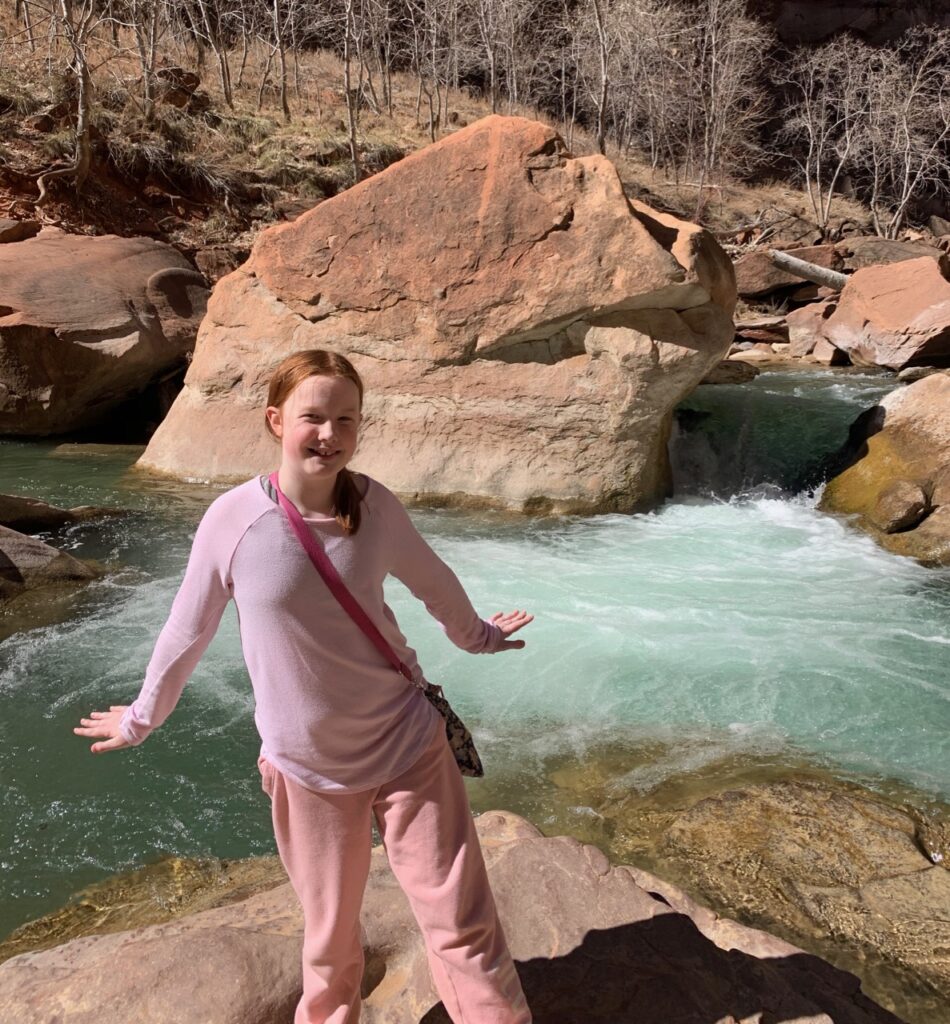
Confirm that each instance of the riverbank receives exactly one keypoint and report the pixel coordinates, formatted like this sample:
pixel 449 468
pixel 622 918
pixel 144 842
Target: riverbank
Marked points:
pixel 728 640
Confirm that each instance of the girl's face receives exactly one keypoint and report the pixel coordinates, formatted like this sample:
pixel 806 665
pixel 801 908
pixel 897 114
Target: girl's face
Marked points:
pixel 318 426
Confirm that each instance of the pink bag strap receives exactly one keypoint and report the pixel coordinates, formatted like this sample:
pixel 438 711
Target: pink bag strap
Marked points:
pixel 335 585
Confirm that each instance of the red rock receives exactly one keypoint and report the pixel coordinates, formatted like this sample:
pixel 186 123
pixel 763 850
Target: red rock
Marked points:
pixel 594 942
pixel 86 322
pixel 489 271
pixel 900 506
pixel 827 354
pixel 757 275
pixel 769 329
pixel 28 563
pixel 805 326
pixel 894 315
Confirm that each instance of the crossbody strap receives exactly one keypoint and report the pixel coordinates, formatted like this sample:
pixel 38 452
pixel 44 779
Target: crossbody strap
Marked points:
pixel 335 585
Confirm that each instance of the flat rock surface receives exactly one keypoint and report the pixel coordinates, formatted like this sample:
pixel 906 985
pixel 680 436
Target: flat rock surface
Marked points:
pixel 593 942
pixel 524 329
pixel 825 862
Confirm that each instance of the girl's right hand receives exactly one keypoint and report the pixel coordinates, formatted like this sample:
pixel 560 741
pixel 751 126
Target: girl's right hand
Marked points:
pixel 104 723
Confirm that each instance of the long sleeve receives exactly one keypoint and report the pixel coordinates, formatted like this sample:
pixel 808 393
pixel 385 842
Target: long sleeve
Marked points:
pixel 429 579
pixel 194 618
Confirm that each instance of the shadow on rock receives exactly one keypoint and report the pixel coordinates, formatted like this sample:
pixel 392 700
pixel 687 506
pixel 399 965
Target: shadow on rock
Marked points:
pixel 665 970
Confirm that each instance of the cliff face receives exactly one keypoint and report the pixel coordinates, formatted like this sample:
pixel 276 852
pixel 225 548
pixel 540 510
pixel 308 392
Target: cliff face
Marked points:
pixel 877 21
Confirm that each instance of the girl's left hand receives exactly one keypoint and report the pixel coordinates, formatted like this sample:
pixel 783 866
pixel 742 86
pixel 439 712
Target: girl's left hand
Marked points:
pixel 511 622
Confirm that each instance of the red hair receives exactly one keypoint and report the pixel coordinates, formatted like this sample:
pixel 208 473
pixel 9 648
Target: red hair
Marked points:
pixel 296 368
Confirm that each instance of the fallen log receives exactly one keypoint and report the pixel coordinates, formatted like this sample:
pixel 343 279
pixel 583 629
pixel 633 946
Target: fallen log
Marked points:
pixel 808 271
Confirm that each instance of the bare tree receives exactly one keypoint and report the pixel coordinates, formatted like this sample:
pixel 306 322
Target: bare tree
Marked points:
pixel 827 117
pixel 73 22
pixel 905 143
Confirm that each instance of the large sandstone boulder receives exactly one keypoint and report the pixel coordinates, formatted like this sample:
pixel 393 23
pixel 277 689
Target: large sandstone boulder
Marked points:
pixel 594 942
pixel 87 322
pixel 897 481
pixel 524 329
pixel 894 315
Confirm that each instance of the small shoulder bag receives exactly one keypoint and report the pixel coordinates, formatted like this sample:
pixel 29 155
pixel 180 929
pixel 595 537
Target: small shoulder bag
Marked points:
pixel 460 739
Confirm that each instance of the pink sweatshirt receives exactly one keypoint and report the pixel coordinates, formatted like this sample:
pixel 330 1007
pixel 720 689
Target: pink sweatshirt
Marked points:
pixel 331 713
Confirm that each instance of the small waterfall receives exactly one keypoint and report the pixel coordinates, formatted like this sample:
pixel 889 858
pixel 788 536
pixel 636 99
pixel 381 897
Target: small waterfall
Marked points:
pixel 773 436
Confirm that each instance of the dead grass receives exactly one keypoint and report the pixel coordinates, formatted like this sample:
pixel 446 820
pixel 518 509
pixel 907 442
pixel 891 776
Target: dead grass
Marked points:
pixel 235 165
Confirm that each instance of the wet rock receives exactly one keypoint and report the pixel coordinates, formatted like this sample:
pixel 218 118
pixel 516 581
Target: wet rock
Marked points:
pixel 161 891
pixel 823 861
pixel 27 563
pixel 894 316
pixel 906 437
pixel 30 515
pixel 88 322
pixel 901 506
pixel 594 943
pixel 488 269
pixel 731 371
pixel 912 373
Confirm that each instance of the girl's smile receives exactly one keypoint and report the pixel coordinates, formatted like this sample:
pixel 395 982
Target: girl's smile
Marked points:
pixel 318 427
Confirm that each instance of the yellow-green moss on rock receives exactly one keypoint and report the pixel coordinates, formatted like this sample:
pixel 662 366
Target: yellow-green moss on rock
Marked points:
pixel 906 440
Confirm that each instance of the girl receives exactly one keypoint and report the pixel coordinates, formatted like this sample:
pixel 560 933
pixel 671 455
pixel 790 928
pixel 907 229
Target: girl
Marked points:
pixel 343 735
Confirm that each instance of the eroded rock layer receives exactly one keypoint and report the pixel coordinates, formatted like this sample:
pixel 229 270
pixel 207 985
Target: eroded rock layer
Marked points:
pixel 88 322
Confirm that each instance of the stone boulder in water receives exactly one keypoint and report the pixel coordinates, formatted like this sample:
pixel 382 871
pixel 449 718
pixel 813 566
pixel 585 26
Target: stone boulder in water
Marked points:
pixel 894 316
pixel 88 322
pixel 897 481
pixel 594 942
pixel 27 563
pixel 525 330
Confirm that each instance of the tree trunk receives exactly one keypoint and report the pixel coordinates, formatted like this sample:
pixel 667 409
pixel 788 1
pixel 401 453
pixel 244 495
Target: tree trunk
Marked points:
pixel 808 271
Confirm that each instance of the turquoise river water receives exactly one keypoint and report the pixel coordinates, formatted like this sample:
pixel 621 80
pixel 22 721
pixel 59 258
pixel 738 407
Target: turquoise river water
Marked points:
pixel 736 619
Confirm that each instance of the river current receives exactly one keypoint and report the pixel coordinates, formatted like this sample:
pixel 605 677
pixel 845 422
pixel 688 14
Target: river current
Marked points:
pixel 734 621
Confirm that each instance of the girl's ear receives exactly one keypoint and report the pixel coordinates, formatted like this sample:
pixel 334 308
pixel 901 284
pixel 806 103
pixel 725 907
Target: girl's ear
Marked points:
pixel 272 412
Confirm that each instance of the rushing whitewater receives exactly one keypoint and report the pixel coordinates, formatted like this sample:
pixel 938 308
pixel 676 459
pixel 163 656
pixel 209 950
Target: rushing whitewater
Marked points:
pixel 742 623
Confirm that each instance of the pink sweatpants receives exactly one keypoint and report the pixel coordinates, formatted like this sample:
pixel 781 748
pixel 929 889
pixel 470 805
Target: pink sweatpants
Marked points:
pixel 424 818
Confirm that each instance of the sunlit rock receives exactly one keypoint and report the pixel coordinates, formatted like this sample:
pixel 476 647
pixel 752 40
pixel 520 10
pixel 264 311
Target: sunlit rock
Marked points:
pixel 524 329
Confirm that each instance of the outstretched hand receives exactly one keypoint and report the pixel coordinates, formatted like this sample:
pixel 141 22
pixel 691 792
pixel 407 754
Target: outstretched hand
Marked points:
pixel 511 622
pixel 104 723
